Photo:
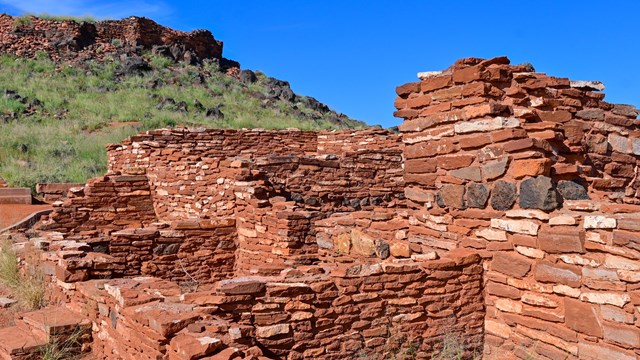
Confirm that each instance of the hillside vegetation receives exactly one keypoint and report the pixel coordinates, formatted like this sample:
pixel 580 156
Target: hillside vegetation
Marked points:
pixel 56 118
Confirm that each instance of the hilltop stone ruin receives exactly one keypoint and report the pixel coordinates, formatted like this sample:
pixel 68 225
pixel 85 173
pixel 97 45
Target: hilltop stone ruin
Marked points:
pixel 505 217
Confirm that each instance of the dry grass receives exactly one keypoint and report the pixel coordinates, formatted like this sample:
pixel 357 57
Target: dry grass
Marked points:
pixel 64 347
pixel 26 285
pixel 456 347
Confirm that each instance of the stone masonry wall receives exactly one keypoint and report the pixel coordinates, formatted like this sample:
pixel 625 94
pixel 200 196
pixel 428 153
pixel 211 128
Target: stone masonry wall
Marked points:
pixel 372 311
pixel 193 171
pixel 327 243
pixel 105 204
pixel 186 252
pixel 539 175
pixel 77 41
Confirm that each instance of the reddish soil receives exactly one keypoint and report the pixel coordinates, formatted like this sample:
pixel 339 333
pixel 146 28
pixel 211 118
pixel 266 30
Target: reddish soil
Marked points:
pixel 6 315
pixel 11 213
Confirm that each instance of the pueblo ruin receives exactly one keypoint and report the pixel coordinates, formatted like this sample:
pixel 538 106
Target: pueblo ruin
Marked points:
pixel 504 216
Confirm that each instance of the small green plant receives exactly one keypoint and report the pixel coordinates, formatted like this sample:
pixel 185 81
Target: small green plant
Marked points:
pixel 116 42
pixel 160 62
pixel 22 22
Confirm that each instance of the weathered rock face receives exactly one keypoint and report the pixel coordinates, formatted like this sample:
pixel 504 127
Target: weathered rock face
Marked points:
pixel 70 40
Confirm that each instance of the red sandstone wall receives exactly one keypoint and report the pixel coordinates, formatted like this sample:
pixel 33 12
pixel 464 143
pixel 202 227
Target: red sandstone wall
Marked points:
pixel 69 40
pixel 538 174
pixel 372 311
pixel 106 204
pixel 194 172
pixel 186 252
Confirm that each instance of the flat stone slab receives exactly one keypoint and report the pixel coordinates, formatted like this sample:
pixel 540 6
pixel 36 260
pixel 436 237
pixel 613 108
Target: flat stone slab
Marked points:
pixel 6 302
pixel 15 196
pixel 55 320
pixel 19 342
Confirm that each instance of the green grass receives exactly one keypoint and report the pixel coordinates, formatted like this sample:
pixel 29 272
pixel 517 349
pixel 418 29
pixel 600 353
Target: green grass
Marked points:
pixel 27 286
pixel 63 139
pixel 78 19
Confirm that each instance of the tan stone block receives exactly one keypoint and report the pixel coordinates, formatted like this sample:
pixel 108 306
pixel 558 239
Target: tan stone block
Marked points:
pixel 497 328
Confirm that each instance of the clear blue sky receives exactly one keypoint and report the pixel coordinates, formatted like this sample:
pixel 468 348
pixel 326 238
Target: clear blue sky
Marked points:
pixel 352 54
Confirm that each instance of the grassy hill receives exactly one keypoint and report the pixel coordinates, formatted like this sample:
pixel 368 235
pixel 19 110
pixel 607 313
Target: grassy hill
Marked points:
pixel 56 118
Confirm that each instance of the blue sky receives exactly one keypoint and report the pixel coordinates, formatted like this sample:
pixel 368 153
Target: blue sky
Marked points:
pixel 352 54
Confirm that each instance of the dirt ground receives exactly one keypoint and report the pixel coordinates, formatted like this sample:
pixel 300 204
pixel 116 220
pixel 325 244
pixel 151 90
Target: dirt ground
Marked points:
pixel 6 315
pixel 11 213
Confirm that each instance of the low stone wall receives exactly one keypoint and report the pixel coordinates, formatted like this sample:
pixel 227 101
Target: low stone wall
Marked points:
pixel 373 311
pixel 105 204
pixel 52 192
pixel 189 253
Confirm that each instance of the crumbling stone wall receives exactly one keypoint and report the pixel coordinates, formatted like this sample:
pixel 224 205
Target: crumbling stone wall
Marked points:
pixel 328 312
pixel 105 204
pixel 193 171
pixel 534 173
pixel 539 175
pixel 77 41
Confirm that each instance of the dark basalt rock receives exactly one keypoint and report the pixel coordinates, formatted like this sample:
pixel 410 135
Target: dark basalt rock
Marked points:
pixel 571 190
pixel 538 193
pixel 248 77
pixel 477 195
pixel 503 195
pixel 382 249
pixel 214 113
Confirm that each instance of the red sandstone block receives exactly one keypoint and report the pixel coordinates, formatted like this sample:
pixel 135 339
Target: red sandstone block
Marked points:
pixel 468 101
pixel 447 94
pixel 529 167
pixel 408 88
pixel 436 108
pixel 523 240
pixel 418 124
pixel 558 116
pixel 517 145
pixel 558 82
pixel 534 84
pixel 561 239
pixel 406 113
pixel 473 141
pixel 422 150
pixel 546 135
pixel 503 290
pixel 508 134
pixel 619 120
pixel 468 74
pixel 492 108
pixel 435 83
pixel 611 183
pixel 400 103
pixel 558 273
pixel 419 101
pixel 510 264
pixel 451 162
